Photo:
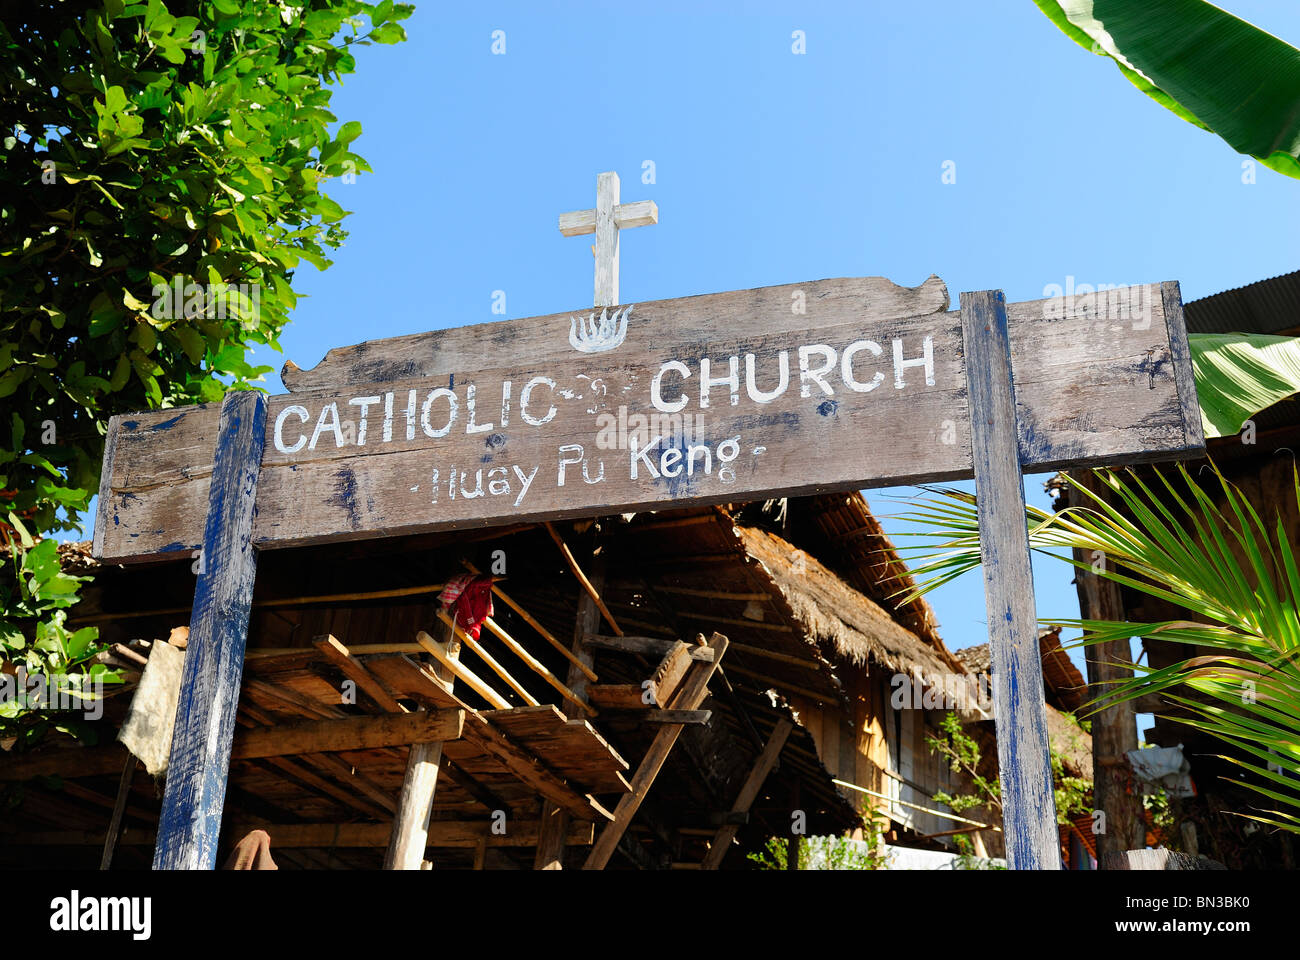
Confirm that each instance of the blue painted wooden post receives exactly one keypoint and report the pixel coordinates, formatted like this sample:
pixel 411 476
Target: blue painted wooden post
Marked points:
pixel 1024 759
pixel 214 659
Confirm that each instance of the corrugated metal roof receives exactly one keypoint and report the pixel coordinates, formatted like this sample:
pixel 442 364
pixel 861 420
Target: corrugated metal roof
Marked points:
pixel 1269 306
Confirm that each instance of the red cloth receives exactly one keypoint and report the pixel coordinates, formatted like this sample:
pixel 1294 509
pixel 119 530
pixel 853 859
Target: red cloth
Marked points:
pixel 469 598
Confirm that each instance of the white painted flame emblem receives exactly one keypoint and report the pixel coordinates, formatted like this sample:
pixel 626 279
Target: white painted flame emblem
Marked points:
pixel 594 335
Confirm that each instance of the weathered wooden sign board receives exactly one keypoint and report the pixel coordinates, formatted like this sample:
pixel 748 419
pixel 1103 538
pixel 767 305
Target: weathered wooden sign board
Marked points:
pixel 786 390
pixel 797 389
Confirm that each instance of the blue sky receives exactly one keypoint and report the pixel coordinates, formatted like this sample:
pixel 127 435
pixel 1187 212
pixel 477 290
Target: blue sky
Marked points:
pixel 772 167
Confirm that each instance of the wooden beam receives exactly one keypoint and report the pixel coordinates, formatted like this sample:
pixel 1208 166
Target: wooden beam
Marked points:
pixel 646 646
pixel 523 765
pixel 582 578
pixel 352 733
pixel 1024 764
pixel 748 792
pixel 345 773
pixel 689 697
pixel 354 670
pixel 409 835
pixel 190 822
pixel 442 833
pixel 1114 728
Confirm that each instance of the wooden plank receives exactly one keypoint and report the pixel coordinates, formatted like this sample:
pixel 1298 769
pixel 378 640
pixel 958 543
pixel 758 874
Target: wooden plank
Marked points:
pixel 1025 770
pixel 646 646
pixel 1091 387
pixel 689 697
pixel 190 822
pixel 639 213
pixel 748 793
pixel 607 197
pixel 355 671
pixel 618 696
pixel 669 673
pixel 352 733
pixel 520 762
pixel 572 748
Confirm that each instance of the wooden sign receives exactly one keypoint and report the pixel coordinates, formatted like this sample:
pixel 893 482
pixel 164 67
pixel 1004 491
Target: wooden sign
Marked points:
pixel 797 389
pixel 786 390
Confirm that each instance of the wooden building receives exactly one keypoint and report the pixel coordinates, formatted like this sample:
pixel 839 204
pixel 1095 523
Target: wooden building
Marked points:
pixel 774 711
pixel 1065 692
pixel 1261 462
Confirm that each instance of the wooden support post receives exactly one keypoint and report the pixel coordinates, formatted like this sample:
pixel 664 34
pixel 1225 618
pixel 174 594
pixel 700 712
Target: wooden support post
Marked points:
pixel 119 809
pixel 190 822
pixel 415 803
pixel 583 579
pixel 1024 762
pixel 1114 729
pixel 749 792
pixel 689 697
pixel 555 819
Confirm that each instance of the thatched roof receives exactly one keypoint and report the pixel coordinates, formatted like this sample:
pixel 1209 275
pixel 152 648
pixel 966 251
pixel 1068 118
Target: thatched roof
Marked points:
pixel 1063 684
pixel 834 615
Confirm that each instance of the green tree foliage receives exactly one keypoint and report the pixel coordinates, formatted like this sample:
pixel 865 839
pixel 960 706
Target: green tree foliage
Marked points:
pixel 161 175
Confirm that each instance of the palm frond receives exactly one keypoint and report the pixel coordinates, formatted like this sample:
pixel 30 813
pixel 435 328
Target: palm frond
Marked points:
pixel 1210 552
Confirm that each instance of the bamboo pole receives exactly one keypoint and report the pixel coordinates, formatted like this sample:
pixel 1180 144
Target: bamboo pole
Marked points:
pixel 537 666
pixel 461 672
pixel 532 622
pixel 582 578
pixel 263 604
pixel 917 806
pixel 490 660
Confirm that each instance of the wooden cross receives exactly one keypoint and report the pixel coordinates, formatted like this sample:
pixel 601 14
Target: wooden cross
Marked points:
pixel 605 221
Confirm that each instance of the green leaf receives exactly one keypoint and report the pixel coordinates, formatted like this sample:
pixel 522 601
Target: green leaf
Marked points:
pixel 348 132
pixel 1207 66
pixel 1239 374
pixel 388 33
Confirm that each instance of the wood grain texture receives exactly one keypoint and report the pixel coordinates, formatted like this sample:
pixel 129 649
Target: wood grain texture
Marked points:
pixel 689 697
pixel 351 733
pixel 1025 770
pixel 748 793
pixel 409 835
pixel 1091 388
pixel 190 821
pixel 740 313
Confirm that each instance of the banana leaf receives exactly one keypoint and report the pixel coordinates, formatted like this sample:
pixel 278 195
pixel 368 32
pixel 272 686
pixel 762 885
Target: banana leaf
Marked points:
pixel 1240 374
pixel 1210 68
